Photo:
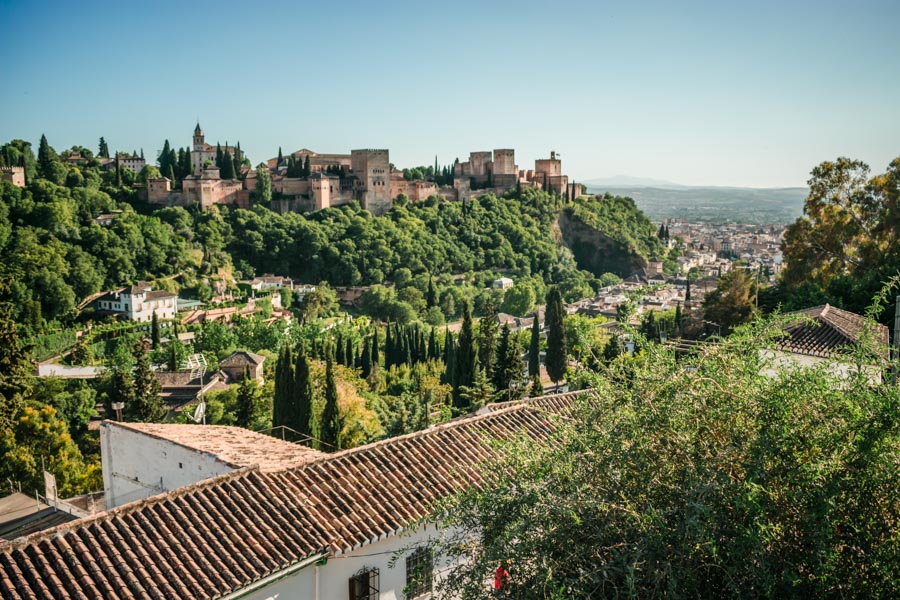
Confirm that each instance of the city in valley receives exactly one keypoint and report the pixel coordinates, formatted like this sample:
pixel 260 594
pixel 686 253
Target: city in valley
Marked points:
pixel 481 301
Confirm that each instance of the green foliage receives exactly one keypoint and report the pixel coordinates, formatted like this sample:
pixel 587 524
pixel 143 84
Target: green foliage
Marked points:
pixel 40 440
pixel 251 411
pixel 557 360
pixel 846 244
pixel 732 302
pixel 147 404
pixel 519 299
pixel 464 363
pixel 694 477
pixel 332 423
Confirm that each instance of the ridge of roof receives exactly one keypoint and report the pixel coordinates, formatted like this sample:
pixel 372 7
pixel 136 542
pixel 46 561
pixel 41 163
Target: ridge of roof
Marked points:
pixel 446 425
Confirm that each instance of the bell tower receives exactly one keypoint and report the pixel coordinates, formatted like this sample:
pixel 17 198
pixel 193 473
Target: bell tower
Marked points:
pixel 198 137
pixel 197 152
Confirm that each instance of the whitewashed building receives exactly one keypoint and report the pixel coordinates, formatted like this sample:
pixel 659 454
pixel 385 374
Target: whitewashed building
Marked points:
pixel 139 302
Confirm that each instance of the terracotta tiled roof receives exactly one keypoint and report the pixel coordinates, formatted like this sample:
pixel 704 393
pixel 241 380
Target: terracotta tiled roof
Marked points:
pixel 222 534
pixel 235 446
pixel 826 331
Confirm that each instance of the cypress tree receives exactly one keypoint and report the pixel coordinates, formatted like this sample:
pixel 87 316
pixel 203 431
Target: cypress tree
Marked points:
pixel 148 405
pixel 280 158
pixel 227 166
pixel 449 367
pixel 537 389
pixel 556 335
pixel 142 154
pixel 348 353
pixel 508 370
pixel 218 155
pixel 103 152
pixel 465 361
pixel 375 352
pixel 679 316
pixel 487 339
pixel 171 174
pixel 163 160
pixel 331 417
pixel 433 352
pixel 46 157
pixel 687 292
pixel 283 406
pixel 248 402
pixel 302 416
pixel 388 347
pixel 366 360
pixel 306 169
pixel 154 330
pixel 534 348
pixel 431 296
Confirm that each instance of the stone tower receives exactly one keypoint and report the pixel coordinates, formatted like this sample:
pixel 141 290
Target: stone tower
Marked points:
pixel 372 169
pixel 197 151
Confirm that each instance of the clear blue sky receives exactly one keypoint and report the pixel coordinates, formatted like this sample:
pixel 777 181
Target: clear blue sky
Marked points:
pixel 717 93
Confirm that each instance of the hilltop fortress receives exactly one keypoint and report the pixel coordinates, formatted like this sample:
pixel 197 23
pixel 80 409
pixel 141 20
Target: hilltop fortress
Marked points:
pixel 305 181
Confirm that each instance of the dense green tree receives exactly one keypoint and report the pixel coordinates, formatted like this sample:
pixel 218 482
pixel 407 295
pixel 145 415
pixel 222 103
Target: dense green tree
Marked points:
pixel 263 191
pixel 507 374
pixel 519 300
pixel 488 329
pixel 15 367
pixel 330 430
pixel 534 348
pixel 283 393
pixel 250 408
pixel 147 405
pixel 154 330
pixel 227 166
pixel 465 361
pixel 303 417
pixel 732 302
pixel 736 483
pixel 555 312
pixel 103 151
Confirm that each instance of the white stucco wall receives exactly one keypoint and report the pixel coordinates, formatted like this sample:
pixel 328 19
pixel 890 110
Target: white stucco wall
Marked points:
pixel 334 576
pixel 136 466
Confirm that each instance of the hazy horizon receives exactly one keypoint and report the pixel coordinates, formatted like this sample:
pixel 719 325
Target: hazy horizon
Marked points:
pixel 703 94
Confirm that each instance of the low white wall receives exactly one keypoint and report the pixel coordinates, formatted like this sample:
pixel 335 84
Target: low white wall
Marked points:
pixel 136 466
pixel 334 576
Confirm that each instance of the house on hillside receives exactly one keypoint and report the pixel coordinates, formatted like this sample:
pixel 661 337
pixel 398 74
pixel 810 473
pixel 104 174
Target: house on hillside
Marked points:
pixel 138 302
pixel 222 512
pixel 240 362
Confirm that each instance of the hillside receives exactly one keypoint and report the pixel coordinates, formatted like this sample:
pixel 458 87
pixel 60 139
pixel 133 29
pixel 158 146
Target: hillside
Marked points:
pixel 608 234
pixel 714 204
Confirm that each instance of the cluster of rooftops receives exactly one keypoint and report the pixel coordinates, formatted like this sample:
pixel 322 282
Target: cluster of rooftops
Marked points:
pixel 223 534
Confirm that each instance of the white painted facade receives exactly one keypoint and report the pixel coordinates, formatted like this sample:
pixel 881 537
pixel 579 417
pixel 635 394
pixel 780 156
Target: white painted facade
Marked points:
pixel 137 466
pixel 141 305
pixel 332 580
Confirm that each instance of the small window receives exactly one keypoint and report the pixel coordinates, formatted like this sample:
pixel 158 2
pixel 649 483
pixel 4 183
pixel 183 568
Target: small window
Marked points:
pixel 419 567
pixel 364 585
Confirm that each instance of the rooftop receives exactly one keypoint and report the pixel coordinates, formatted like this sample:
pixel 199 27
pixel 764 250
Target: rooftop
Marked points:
pixel 235 446
pixel 222 534
pixel 826 331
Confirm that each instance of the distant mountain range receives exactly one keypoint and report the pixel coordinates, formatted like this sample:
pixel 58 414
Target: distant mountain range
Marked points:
pixel 659 199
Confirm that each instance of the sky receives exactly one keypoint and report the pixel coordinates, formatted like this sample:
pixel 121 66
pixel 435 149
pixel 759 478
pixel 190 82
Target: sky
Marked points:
pixel 700 93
